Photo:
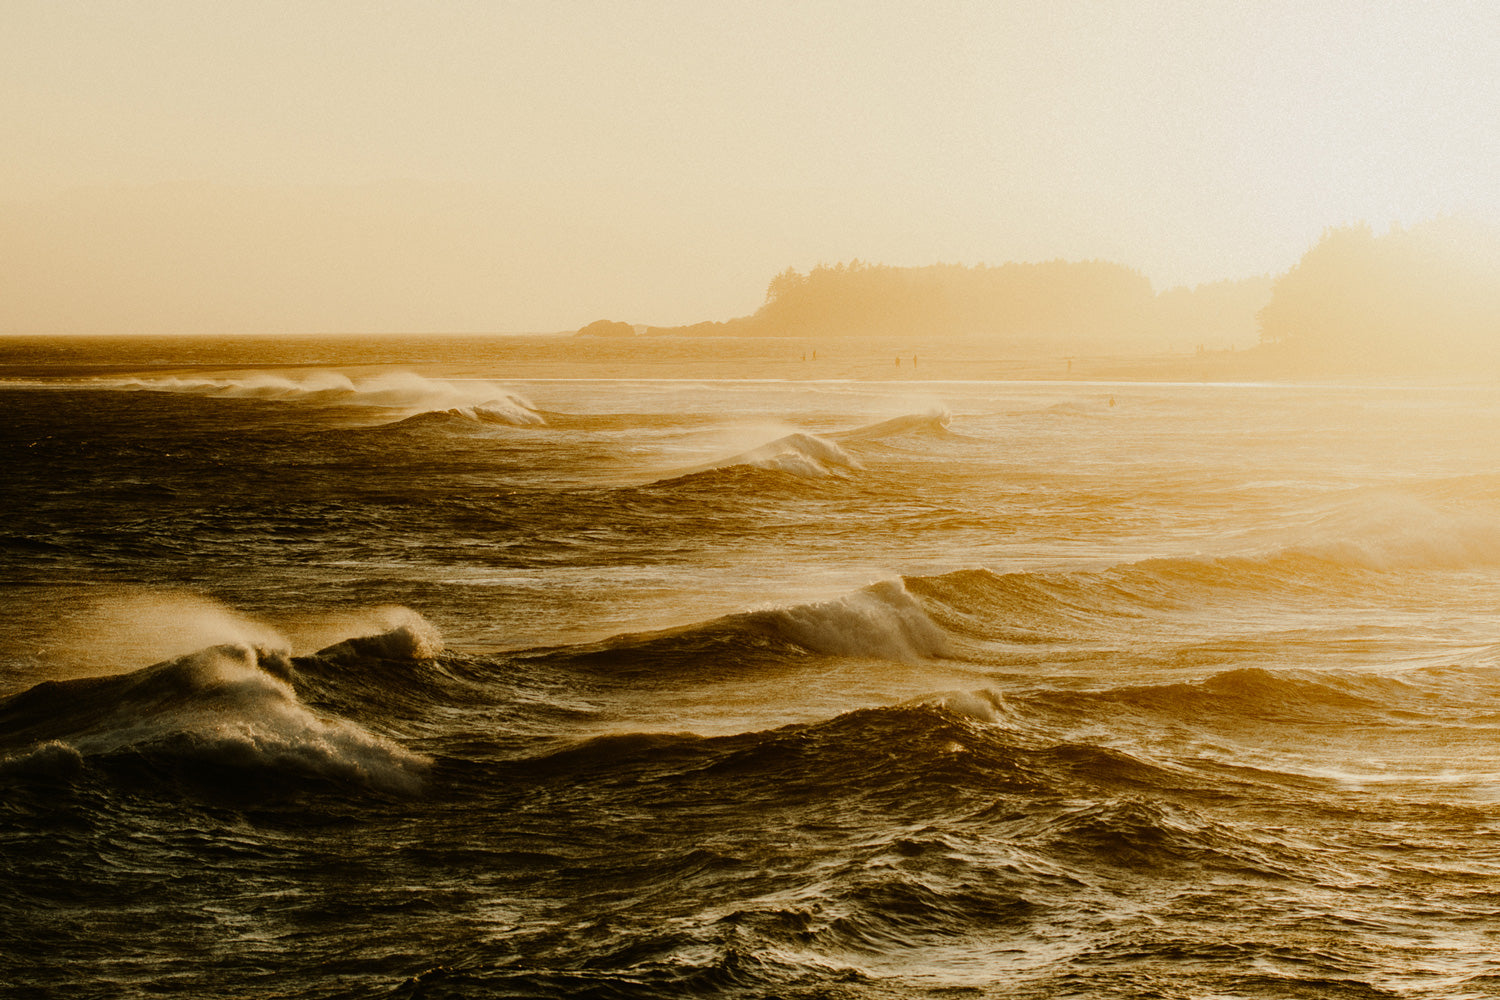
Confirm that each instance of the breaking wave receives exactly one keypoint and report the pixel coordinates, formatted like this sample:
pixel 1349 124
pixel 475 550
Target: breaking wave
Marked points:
pixel 231 706
pixel 822 456
pixel 806 456
pixel 881 621
pixel 404 394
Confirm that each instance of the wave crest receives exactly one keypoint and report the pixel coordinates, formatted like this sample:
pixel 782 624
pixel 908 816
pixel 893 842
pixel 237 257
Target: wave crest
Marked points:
pixel 230 705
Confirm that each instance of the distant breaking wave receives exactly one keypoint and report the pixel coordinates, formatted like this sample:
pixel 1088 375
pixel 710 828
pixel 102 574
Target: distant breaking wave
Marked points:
pixel 403 394
pixel 505 412
pixel 815 456
pixel 804 455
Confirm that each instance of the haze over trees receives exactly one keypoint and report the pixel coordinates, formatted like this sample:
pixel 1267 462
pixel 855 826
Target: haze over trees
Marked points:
pixel 1414 298
pixel 1053 305
pixel 1057 298
pixel 1421 299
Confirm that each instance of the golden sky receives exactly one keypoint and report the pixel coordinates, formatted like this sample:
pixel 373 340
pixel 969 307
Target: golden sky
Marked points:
pixel 181 166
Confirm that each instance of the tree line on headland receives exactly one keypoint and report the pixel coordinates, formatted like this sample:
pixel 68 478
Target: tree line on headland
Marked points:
pixel 1409 298
pixel 1052 304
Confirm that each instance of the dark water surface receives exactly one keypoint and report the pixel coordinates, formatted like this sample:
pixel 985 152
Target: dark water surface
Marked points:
pixel 483 668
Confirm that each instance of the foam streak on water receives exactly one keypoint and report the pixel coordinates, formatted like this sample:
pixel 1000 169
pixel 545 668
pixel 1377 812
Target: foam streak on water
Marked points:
pixel 332 677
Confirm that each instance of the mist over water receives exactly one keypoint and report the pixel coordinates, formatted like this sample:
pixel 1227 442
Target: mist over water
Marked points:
pixel 486 668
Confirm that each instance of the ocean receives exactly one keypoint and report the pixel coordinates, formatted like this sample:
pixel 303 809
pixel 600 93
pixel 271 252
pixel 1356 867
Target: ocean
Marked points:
pixel 540 667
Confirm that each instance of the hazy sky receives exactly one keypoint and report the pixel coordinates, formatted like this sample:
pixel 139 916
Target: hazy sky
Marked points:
pixel 260 166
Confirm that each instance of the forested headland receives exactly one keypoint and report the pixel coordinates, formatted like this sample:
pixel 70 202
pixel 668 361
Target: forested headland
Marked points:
pixel 1414 299
pixel 1067 305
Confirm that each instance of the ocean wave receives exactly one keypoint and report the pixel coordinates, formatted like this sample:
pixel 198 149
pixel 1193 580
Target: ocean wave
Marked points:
pixel 314 386
pixel 972 614
pixel 805 456
pixel 107 625
pixel 1137 833
pixel 1252 696
pixel 822 456
pixel 51 759
pixel 982 706
pixel 1047 803
pixel 1049 606
pixel 404 393
pixel 401 679
pixel 1028 608
pixel 503 412
pixel 1095 407
pixel 931 424
pixel 881 621
pixel 964 614
pixel 227 706
pixel 866 751
pixel 408 636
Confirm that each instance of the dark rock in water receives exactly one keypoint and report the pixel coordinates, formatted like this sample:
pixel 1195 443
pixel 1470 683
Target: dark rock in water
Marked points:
pixel 607 328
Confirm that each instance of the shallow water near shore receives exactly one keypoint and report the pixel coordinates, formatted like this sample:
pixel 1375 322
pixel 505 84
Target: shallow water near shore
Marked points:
pixel 472 668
